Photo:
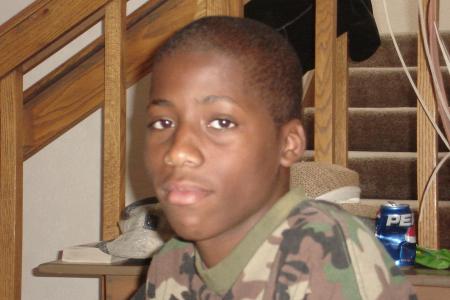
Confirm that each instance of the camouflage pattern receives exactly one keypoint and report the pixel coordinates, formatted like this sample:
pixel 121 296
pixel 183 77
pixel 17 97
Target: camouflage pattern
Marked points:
pixel 318 252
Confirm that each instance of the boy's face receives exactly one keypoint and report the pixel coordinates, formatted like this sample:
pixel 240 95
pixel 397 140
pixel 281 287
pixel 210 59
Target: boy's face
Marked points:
pixel 213 151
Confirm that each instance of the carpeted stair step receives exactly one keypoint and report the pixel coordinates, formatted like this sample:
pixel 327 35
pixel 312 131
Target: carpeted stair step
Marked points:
pixel 384 87
pixel 391 175
pixel 386 56
pixel 382 125
pixel 375 129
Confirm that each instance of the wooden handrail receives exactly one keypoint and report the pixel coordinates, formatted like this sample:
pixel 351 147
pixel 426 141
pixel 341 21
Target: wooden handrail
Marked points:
pixel 22 15
pixel 62 41
pixel 67 37
pixel 75 89
pixel 29 36
pixel 83 54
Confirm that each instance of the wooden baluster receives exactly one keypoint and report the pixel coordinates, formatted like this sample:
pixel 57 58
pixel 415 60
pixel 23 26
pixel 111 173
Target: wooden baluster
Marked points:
pixel 325 83
pixel 114 119
pixel 220 7
pixel 426 153
pixel 330 138
pixel 11 184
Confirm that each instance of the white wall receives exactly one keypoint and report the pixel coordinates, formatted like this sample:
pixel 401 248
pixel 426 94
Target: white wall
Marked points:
pixel 62 181
pixel 403 15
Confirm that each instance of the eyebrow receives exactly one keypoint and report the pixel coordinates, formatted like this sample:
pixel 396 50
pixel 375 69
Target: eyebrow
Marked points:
pixel 158 102
pixel 206 100
pixel 215 98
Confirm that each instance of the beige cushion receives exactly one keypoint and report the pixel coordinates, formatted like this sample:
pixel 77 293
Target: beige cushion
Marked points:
pixel 326 181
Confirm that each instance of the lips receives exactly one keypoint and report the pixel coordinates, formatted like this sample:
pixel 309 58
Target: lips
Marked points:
pixel 183 193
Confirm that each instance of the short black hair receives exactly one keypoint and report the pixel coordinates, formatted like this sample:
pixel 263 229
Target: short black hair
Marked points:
pixel 271 63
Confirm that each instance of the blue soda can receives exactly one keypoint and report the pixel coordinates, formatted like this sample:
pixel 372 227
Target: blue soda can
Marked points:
pixel 394 227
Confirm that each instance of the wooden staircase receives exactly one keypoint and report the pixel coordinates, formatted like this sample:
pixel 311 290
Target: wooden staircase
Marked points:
pixel 97 77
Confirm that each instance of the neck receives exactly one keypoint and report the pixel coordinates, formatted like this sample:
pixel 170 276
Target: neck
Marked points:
pixel 214 250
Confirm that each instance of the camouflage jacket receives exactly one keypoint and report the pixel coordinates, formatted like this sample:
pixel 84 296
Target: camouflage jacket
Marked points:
pixel 301 249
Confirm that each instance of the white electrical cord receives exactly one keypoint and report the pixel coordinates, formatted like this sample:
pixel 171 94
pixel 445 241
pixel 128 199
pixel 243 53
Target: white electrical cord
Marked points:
pixel 430 180
pixel 445 53
pixel 411 81
pixel 433 71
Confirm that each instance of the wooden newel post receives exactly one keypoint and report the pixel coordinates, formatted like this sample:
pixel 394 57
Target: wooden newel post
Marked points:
pixel 11 185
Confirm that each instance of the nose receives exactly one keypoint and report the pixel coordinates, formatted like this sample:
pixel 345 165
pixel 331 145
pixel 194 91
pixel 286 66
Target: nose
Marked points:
pixel 185 149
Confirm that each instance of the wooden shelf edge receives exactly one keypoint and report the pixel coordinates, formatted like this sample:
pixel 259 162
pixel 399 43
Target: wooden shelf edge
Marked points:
pixel 63 269
pixel 428 277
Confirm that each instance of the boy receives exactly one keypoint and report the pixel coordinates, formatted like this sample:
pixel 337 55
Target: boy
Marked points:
pixel 223 131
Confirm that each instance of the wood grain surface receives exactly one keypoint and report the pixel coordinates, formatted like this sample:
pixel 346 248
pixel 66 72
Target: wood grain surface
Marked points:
pixel 75 89
pixel 62 41
pixel 41 28
pixel 428 225
pixel 11 185
pixel 22 15
pixel 341 106
pixel 220 8
pixel 325 83
pixel 114 120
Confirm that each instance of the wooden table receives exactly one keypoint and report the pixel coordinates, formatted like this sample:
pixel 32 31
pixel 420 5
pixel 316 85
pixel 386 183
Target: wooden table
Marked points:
pixel 124 279
pixel 429 284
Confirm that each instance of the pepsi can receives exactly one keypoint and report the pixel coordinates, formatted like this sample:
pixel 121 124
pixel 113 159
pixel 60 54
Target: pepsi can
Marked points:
pixel 394 227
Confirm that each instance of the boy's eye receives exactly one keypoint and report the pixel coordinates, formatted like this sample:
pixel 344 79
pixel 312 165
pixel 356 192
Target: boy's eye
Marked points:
pixel 222 124
pixel 162 124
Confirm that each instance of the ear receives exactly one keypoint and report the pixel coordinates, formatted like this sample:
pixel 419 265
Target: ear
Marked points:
pixel 294 142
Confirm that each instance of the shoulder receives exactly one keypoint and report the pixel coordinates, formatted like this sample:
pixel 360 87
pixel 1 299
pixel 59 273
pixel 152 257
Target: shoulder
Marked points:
pixel 329 219
pixel 338 232
pixel 322 210
pixel 342 252
pixel 323 235
pixel 326 223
